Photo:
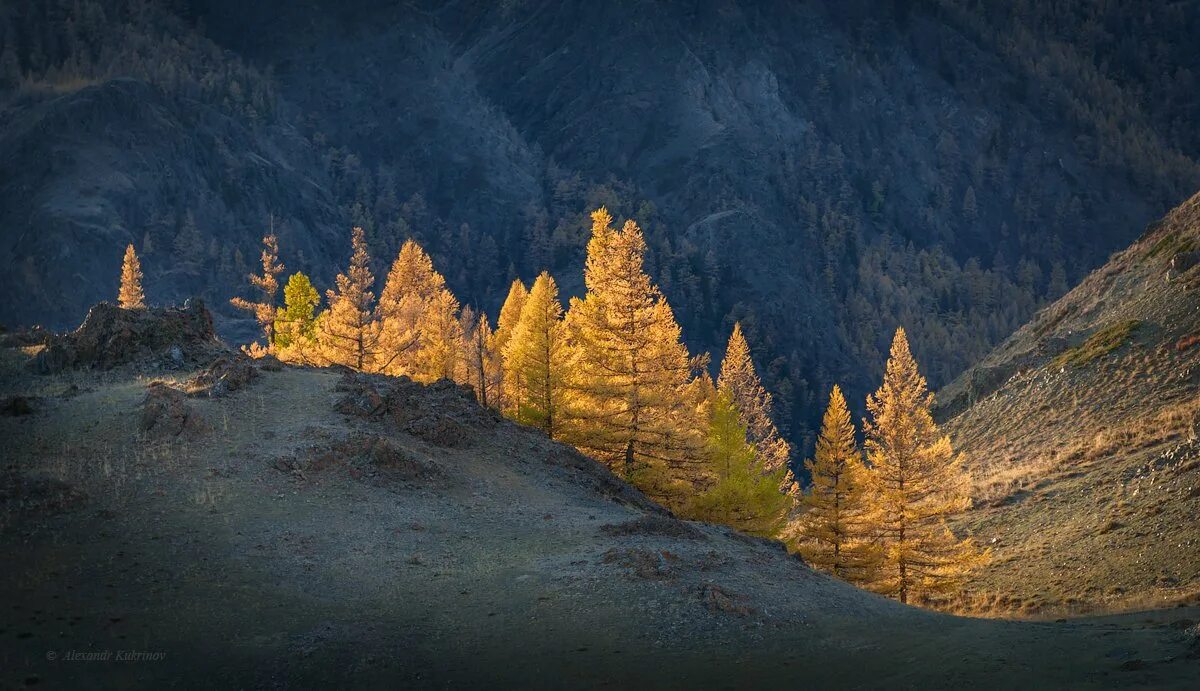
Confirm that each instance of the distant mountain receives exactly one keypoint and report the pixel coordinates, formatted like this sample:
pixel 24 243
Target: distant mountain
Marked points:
pixel 821 172
pixel 1083 433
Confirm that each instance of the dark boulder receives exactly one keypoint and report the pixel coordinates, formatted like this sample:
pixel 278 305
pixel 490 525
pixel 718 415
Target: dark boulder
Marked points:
pixel 224 376
pixel 166 414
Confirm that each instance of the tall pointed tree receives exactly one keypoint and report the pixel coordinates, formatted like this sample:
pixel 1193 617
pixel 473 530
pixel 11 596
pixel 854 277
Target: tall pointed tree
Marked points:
pixel 130 295
pixel 919 483
pixel 409 290
pixel 753 402
pixel 743 493
pixel 440 340
pixel 348 333
pixel 268 287
pixel 632 403
pixel 510 314
pixel 537 356
pixel 835 533
pixel 482 362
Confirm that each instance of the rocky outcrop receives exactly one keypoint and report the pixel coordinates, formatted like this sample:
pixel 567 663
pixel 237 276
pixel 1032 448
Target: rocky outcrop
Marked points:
pixel 170 337
pixel 225 375
pixel 442 413
pixel 166 414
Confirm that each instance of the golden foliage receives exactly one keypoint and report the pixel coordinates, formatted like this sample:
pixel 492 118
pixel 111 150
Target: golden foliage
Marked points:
pixel 918 482
pixel 268 286
pixel 537 357
pixel 752 400
pixel 836 532
pixel 348 333
pixel 632 402
pixel 131 296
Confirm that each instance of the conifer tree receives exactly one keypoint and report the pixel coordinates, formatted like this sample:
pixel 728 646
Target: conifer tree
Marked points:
pixel 483 363
pixel 918 483
pixel 537 355
pixel 510 314
pixel 189 245
pixel 744 495
pixel 348 333
pixel 835 532
pixel 440 340
pixel 296 321
pixel 752 401
pixel 411 290
pixel 632 399
pixel 268 287
pixel 130 295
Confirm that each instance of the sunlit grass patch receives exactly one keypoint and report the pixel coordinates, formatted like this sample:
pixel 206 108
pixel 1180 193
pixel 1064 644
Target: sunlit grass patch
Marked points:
pixel 1100 343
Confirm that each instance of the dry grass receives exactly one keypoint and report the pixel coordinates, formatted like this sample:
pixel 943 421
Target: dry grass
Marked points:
pixel 998 480
pixel 1172 244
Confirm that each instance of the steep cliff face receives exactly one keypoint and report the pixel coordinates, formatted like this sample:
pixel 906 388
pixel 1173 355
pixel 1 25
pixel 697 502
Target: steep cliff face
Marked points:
pixel 821 173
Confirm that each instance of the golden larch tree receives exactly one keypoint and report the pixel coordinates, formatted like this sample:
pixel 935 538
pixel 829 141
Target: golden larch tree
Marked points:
pixel 510 314
pixel 130 296
pixel 411 287
pixel 268 287
pixel 918 482
pixel 439 353
pixel 752 401
pixel 482 362
pixel 835 532
pixel 633 404
pixel 537 356
pixel 348 332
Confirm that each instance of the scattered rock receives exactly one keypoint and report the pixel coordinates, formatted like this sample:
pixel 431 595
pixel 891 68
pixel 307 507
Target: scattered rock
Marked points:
pixel 642 563
pixel 15 406
pixel 718 599
pixel 654 524
pixel 368 457
pixel 442 413
pixel 1184 261
pixel 225 375
pixel 166 414
pixel 111 336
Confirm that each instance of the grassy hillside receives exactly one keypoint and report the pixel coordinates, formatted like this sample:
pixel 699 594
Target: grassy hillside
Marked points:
pixel 1082 433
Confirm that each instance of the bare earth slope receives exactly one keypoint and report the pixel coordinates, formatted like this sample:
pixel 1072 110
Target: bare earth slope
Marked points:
pixel 1082 432
pixel 297 527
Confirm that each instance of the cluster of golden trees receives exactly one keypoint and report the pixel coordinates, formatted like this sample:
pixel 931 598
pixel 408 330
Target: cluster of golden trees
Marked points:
pixel 608 374
pixel 879 521
pixel 611 376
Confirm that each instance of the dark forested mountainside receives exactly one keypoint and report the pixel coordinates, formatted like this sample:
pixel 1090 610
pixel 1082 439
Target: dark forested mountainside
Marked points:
pixel 821 173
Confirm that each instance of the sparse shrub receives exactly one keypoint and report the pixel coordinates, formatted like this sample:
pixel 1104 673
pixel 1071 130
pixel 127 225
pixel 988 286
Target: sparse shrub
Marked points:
pixel 1100 343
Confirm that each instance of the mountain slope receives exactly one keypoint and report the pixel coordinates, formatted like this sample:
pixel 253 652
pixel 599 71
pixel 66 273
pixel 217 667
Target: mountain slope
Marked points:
pixel 1081 430
pixel 821 173
pixel 374 530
